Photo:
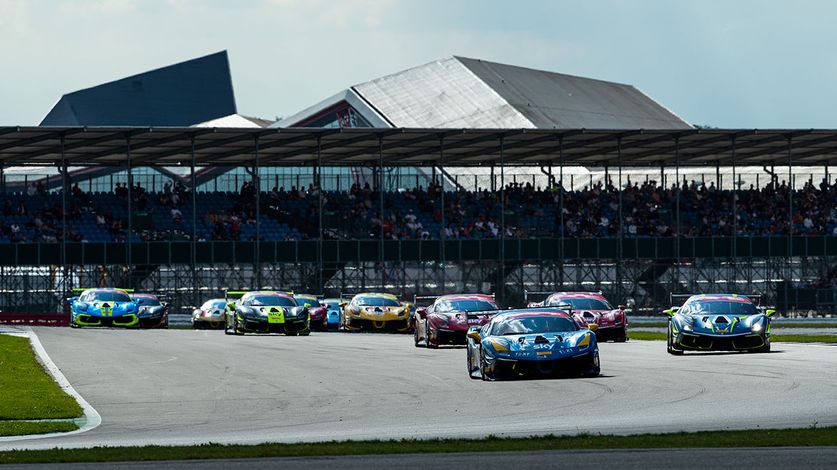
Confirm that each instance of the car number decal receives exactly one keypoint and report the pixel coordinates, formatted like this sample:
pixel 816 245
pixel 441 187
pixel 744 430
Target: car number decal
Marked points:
pixel 274 316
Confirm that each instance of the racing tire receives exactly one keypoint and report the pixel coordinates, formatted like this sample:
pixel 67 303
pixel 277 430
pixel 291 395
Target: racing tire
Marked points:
pixel 765 348
pixel 622 336
pixel 74 325
pixel 485 377
pixel 468 366
pixel 305 333
pixel 416 341
pixel 670 344
pixel 236 331
pixel 427 343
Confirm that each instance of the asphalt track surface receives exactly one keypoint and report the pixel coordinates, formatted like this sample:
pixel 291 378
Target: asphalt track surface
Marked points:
pixel 176 387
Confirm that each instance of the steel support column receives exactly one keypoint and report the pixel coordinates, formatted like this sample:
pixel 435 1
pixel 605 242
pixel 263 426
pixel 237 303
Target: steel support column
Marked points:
pixel 257 183
pixel 381 201
pixel 502 287
pixel 129 259
pixel 195 287
pixel 789 274
pixel 320 280
pixel 65 178
pixel 620 239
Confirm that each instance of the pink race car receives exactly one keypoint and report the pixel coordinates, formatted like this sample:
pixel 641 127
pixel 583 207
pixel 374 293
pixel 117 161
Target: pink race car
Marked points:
pixel 447 319
pixel 591 308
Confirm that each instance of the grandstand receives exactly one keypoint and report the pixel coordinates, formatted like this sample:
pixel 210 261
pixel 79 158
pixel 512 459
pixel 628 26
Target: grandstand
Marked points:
pixel 457 175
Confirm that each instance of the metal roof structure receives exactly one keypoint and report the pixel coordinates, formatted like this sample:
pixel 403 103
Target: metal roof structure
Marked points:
pixel 182 94
pixel 228 147
pixel 468 93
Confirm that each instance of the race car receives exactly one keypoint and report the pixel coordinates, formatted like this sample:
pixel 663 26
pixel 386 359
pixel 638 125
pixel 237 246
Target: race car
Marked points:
pixel 153 313
pixel 718 322
pixel 332 313
pixel 591 307
pixel 265 312
pixel 537 342
pixel 374 311
pixel 212 314
pixel 103 307
pixel 447 319
pixel 316 310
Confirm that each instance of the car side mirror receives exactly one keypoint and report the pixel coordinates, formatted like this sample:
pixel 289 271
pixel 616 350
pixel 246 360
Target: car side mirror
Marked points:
pixel 474 334
pixel 343 304
pixel 72 299
pixel 231 305
pixel 672 311
pixel 307 305
pixel 592 327
pixel 164 304
pixel 421 312
pixel 140 301
pixel 770 312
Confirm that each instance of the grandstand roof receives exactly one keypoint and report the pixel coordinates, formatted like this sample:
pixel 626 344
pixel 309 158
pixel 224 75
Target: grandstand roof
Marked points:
pixel 459 92
pixel 172 146
pixel 182 94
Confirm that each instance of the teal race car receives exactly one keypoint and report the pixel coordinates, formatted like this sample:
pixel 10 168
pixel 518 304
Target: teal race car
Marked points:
pixel 718 322
pixel 532 343
pixel 265 312
pixel 104 307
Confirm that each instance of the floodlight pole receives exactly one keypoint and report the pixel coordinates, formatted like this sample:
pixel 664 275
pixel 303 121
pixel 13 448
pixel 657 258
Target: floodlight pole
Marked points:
pixel 319 215
pixel 502 287
pixel 129 258
pixel 257 185
pixel 561 209
pixel 195 287
pixel 381 201
pixel 620 239
pixel 64 180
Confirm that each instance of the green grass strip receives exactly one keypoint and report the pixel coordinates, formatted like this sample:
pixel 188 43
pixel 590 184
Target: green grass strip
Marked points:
pixel 27 391
pixel 713 439
pixel 659 336
pixel 20 428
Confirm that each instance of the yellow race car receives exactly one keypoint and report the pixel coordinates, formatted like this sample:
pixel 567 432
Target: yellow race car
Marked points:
pixel 375 311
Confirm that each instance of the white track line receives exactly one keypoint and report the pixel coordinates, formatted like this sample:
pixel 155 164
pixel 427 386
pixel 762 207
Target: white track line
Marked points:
pixel 91 419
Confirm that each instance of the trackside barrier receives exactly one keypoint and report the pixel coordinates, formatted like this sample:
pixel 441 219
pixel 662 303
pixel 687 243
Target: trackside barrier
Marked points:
pixel 35 319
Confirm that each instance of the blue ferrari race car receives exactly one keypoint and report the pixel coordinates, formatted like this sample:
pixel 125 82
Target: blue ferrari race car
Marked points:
pixel 718 322
pixel 104 307
pixel 538 342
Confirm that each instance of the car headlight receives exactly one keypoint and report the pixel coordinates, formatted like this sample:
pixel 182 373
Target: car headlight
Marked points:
pixel 757 326
pixel 499 345
pixel 82 307
pixel 584 341
pixel 687 326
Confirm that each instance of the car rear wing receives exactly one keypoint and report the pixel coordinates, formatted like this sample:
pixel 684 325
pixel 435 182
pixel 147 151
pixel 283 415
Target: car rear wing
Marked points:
pixel 79 290
pixel 233 295
pixel 542 295
pixel 483 313
pixel 420 300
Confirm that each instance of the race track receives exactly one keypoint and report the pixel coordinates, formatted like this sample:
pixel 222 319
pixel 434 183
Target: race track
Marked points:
pixel 182 387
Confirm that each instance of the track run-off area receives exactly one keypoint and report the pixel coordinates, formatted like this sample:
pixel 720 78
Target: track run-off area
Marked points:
pixel 179 387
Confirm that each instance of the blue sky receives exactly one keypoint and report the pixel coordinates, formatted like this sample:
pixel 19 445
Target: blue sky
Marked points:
pixel 747 64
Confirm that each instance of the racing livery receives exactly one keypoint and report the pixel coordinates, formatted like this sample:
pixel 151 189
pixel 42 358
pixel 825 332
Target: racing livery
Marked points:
pixel 536 342
pixel 103 307
pixel 374 311
pixel 448 318
pixel 265 312
pixel 718 322
pixel 212 314
pixel 591 308
pixel 316 310
pixel 332 313
pixel 153 313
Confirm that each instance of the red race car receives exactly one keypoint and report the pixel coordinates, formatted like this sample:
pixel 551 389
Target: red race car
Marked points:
pixel 317 310
pixel 591 308
pixel 447 319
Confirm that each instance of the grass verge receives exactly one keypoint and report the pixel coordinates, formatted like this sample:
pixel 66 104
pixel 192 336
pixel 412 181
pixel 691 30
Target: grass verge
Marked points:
pixel 713 439
pixel 27 391
pixel 21 428
pixel 659 336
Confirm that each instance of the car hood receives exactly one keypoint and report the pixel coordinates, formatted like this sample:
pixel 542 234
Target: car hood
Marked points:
pixel 108 308
pixel 720 324
pixel 542 346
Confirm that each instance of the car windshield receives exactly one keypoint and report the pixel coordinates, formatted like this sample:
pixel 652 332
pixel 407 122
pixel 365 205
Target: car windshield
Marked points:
pixel 532 325
pixel 377 302
pixel 272 300
pixel 210 304
pixel 148 301
pixel 582 304
pixel 107 297
pixel 721 307
pixel 332 303
pixel 301 300
pixel 470 305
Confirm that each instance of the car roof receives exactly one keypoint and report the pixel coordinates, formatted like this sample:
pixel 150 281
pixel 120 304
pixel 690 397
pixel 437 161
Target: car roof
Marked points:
pixel 720 297
pixel 306 296
pixel 467 297
pixel 377 294
pixel 533 312
pixel 105 290
pixel 579 295
pixel 271 293
pixel 145 296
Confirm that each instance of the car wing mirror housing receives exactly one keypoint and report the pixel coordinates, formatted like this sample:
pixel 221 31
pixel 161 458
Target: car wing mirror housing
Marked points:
pixel 474 334
pixel 592 327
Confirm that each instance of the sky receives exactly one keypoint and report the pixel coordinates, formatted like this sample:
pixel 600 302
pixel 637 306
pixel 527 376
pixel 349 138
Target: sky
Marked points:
pixel 730 64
